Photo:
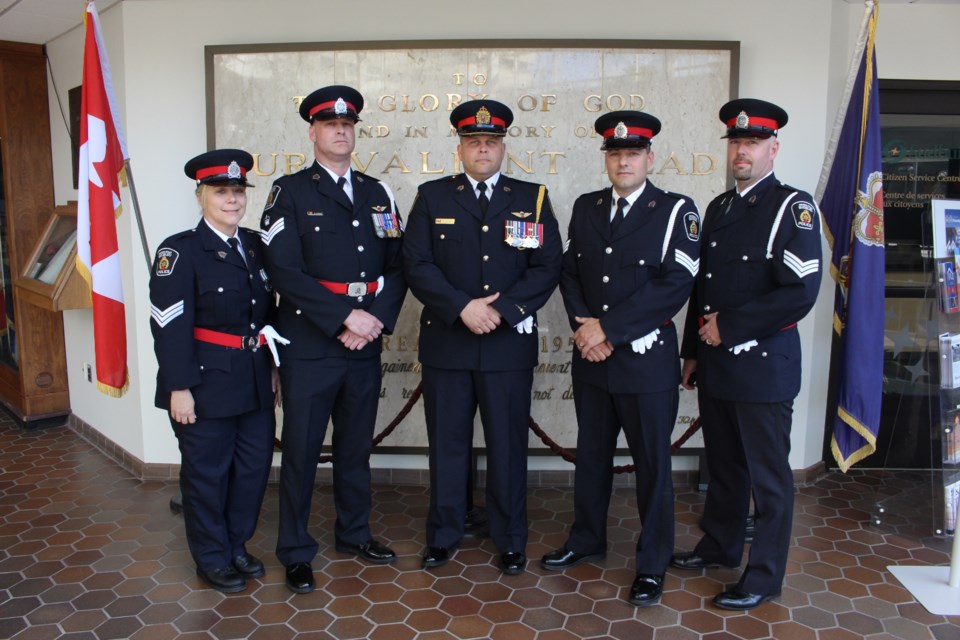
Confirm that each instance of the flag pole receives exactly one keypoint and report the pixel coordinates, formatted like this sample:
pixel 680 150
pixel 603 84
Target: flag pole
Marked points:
pixel 136 212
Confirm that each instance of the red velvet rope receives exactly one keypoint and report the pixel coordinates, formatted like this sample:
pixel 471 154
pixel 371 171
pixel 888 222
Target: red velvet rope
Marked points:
pixel 540 433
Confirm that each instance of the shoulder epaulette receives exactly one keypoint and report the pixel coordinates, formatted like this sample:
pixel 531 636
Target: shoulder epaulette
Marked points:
pixel 365 176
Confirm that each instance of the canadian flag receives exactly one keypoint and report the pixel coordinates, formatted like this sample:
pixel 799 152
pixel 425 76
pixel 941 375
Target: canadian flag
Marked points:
pixel 102 155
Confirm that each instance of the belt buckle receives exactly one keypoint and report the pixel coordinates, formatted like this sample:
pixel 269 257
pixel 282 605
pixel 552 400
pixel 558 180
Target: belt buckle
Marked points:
pixel 251 343
pixel 356 289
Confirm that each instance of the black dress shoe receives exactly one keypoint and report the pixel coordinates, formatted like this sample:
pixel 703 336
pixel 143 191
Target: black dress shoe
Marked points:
pixel 300 577
pixel 691 561
pixel 735 600
pixel 248 566
pixel 512 562
pixel 435 557
pixel 225 579
pixel 371 551
pixel 646 590
pixel 563 558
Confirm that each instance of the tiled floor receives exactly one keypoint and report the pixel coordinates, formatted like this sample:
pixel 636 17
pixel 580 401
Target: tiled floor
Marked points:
pixel 88 552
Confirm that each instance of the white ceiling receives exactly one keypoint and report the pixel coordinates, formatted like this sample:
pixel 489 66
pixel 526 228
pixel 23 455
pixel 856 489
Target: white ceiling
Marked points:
pixel 40 21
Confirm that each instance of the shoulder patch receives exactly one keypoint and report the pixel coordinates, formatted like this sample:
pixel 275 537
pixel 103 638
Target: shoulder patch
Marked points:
pixel 272 197
pixel 691 225
pixel 804 214
pixel 166 260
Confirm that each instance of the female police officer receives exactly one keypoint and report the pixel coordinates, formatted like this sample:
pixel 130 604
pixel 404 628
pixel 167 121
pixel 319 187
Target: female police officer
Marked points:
pixel 210 305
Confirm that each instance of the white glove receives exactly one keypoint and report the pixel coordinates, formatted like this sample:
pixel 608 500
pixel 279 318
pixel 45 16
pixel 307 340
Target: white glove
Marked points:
pixel 272 337
pixel 746 346
pixel 380 285
pixel 644 344
pixel 525 325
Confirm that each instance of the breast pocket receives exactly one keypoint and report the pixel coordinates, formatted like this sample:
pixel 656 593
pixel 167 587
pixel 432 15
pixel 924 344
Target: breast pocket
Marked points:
pixel 643 264
pixel 447 243
pixel 751 268
pixel 220 300
pixel 317 236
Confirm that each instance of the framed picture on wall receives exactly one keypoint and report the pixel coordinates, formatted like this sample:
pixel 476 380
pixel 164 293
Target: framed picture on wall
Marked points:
pixel 946 228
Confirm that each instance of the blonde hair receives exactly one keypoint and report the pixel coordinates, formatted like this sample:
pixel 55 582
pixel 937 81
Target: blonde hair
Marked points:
pixel 201 193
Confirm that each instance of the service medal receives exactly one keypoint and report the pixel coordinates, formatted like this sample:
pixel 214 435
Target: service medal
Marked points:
pixel 523 235
pixel 386 225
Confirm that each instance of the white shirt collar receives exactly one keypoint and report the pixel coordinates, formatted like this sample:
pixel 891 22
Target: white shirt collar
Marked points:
pixel 630 199
pixel 348 187
pixel 222 235
pixel 491 182
pixel 747 190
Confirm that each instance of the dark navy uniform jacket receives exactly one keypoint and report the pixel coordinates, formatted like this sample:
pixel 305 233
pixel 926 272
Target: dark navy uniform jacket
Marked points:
pixel 760 270
pixel 453 254
pixel 197 280
pixel 633 281
pixel 311 231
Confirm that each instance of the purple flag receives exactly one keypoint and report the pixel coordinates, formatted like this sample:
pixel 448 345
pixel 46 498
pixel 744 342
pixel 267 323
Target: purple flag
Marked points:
pixel 851 201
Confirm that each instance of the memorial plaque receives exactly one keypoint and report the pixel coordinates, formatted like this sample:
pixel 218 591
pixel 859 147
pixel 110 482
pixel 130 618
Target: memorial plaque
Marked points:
pixel 556 91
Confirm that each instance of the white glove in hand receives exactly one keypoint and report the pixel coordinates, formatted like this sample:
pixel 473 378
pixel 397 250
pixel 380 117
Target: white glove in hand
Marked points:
pixel 380 286
pixel 525 325
pixel 644 344
pixel 272 337
pixel 746 346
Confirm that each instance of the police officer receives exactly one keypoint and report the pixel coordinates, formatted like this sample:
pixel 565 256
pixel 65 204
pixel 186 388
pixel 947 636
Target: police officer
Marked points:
pixel 630 261
pixel 332 245
pixel 759 275
pixel 210 305
pixel 482 253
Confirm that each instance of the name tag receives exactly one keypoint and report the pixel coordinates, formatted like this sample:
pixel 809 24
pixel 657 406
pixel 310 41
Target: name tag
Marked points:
pixel 445 221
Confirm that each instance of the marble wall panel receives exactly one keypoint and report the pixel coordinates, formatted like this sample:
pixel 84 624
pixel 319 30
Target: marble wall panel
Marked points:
pixel 405 138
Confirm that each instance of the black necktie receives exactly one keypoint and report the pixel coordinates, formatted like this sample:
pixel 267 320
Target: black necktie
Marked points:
pixel 484 203
pixel 235 245
pixel 618 216
pixel 342 183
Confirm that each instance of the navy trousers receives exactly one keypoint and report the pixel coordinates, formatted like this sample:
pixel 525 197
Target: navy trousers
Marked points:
pixel 225 463
pixel 450 400
pixel 314 392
